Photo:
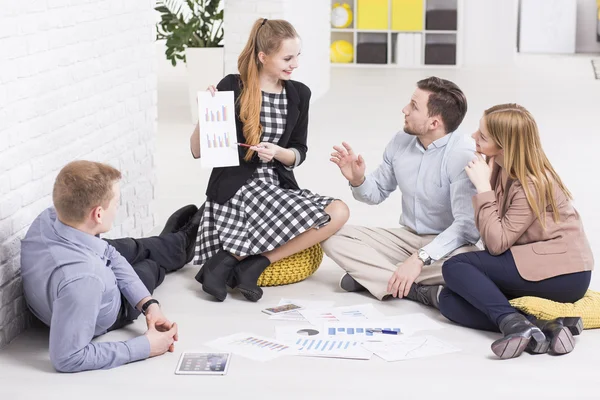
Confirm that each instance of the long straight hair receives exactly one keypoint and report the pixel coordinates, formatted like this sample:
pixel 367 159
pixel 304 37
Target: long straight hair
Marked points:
pixel 266 36
pixel 513 129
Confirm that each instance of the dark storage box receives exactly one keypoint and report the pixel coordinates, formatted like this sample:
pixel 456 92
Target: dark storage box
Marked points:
pixel 440 20
pixel 440 54
pixel 371 53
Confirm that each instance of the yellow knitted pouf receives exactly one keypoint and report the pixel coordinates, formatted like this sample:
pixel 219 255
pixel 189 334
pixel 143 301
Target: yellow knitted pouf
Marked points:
pixel 292 269
pixel 588 308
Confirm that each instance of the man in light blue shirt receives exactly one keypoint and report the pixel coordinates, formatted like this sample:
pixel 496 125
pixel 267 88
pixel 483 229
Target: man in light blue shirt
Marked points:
pixel 82 286
pixel 426 162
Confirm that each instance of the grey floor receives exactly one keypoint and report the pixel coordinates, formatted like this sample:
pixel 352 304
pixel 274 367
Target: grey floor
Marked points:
pixel 363 108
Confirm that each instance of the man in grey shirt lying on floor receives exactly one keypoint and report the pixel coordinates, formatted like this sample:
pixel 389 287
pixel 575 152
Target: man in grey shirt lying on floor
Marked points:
pixel 83 286
pixel 426 161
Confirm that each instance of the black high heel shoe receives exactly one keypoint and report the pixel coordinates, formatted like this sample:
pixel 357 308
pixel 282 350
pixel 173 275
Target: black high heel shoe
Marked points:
pixel 560 332
pixel 246 276
pixel 216 273
pixel 519 334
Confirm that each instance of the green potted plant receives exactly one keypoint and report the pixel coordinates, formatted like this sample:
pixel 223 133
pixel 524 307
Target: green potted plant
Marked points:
pixel 192 31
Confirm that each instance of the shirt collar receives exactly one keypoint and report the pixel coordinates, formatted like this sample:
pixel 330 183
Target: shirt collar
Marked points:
pixel 441 142
pixel 96 244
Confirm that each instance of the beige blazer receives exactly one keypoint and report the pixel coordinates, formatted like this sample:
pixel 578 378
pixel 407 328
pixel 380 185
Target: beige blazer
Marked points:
pixel 506 221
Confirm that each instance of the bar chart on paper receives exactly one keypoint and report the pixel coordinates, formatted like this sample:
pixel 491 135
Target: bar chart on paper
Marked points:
pixel 361 332
pixel 252 346
pixel 221 114
pixel 219 140
pixel 332 348
pixel 310 340
pixel 337 314
pixel 260 343
pixel 218 135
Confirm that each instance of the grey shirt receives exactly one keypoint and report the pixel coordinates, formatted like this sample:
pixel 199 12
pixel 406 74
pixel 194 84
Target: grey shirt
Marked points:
pixel 73 283
pixel 436 191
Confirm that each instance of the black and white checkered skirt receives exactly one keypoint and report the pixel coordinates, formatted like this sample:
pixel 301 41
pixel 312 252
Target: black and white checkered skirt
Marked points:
pixel 261 216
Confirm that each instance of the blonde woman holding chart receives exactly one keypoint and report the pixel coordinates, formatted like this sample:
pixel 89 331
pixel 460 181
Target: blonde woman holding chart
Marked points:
pixel 255 213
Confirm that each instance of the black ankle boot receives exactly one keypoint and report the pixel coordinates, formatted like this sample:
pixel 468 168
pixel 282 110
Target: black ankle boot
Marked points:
pixel 178 219
pixel 190 230
pixel 247 273
pixel 519 334
pixel 215 274
pixel 425 294
pixel 560 332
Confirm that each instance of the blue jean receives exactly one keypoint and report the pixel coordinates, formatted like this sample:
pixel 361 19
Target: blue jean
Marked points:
pixel 479 285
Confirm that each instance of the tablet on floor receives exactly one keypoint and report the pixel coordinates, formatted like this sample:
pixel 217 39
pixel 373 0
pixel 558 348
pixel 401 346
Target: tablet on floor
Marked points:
pixel 196 363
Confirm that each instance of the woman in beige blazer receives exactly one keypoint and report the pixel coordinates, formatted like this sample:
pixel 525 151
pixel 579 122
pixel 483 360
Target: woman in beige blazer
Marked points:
pixel 534 239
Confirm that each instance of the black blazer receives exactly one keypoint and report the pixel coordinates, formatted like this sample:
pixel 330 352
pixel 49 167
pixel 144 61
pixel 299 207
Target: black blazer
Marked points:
pixel 224 182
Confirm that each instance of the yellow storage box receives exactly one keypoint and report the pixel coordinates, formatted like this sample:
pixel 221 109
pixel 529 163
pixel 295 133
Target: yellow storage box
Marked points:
pixel 372 14
pixel 407 15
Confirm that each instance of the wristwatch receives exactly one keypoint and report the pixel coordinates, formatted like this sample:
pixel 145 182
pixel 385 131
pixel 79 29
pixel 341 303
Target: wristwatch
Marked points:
pixel 423 256
pixel 148 304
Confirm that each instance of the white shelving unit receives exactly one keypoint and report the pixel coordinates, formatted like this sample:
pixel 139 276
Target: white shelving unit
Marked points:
pixel 429 44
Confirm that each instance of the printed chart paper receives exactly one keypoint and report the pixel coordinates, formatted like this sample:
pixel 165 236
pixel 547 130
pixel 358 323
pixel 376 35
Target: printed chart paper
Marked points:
pixel 337 314
pixel 252 346
pixel 412 323
pixel 362 330
pixel 307 340
pixel 295 314
pixel 218 138
pixel 406 348
pixel 332 348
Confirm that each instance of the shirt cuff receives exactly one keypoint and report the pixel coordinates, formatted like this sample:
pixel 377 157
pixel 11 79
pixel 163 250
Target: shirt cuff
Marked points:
pixel 363 189
pixel 296 162
pixel 135 292
pixel 482 198
pixel 139 348
pixel 434 251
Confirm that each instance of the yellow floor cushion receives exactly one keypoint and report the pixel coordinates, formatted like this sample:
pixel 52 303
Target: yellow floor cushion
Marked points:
pixel 292 269
pixel 588 308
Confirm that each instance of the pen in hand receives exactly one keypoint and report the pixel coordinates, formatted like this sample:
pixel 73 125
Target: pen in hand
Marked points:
pixel 249 145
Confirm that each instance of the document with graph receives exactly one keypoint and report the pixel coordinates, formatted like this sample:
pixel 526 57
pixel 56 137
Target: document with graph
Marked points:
pixel 311 341
pixel 218 139
pixel 337 314
pixel 406 348
pixel 252 346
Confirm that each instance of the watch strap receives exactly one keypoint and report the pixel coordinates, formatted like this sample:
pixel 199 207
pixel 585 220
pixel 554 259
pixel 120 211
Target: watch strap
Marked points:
pixel 148 304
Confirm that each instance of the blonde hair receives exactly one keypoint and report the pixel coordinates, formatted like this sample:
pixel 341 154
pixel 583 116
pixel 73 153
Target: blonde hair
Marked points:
pixel 81 186
pixel 514 130
pixel 266 36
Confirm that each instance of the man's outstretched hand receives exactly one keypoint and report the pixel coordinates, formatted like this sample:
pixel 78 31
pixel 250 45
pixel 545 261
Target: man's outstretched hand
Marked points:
pixel 351 165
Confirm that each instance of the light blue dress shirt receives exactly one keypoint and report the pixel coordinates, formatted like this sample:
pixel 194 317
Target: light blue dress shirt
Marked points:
pixel 73 283
pixel 436 191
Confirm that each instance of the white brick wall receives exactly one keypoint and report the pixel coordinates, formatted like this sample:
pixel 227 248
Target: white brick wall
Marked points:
pixel 77 81
pixel 309 17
